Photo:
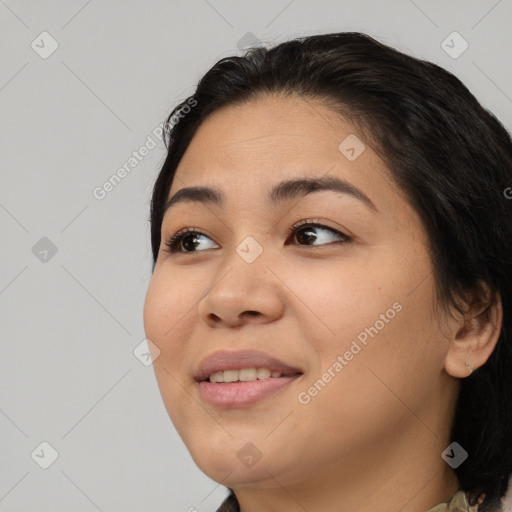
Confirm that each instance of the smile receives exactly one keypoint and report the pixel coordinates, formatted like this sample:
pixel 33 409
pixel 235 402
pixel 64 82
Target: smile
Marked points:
pixel 243 393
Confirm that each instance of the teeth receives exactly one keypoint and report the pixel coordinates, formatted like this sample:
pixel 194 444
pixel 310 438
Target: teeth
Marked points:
pixel 248 374
pixel 264 373
pixel 244 375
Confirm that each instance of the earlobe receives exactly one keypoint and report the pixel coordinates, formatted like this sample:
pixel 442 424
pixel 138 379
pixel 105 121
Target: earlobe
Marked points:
pixel 475 340
pixel 458 364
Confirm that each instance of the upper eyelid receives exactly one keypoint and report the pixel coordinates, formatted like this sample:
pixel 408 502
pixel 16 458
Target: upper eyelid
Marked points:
pixel 295 226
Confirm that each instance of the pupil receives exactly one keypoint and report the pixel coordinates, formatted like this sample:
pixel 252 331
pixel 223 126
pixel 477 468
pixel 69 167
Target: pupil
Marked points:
pixel 310 237
pixel 189 246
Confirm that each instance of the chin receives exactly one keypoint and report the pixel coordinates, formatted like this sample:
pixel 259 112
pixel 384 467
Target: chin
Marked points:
pixel 239 464
pixel 237 476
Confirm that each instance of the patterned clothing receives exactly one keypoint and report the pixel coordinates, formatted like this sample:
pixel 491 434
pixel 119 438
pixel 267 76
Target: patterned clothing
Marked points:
pixel 458 503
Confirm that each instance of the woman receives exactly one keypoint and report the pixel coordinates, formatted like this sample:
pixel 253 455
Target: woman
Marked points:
pixel 331 288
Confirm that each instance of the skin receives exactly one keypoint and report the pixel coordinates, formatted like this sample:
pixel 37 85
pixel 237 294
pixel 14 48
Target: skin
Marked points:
pixel 372 438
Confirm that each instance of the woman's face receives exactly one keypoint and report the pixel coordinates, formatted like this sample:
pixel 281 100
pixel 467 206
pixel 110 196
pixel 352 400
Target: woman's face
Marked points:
pixel 351 316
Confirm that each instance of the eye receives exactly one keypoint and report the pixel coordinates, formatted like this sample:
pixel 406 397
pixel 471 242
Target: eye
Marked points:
pixel 187 237
pixel 305 232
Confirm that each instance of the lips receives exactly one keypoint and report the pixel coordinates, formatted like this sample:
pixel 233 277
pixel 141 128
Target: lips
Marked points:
pixel 238 360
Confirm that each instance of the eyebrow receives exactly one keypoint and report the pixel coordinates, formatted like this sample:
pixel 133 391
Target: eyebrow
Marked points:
pixel 285 190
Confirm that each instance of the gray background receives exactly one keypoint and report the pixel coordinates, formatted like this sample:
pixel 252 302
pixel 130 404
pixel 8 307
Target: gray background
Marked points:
pixel 71 319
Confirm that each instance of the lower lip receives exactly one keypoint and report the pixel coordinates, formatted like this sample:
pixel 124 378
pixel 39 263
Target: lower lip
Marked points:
pixel 241 394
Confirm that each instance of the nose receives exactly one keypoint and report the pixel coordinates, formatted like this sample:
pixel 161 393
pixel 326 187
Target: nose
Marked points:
pixel 242 292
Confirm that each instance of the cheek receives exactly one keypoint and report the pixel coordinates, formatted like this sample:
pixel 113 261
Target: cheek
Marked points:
pixel 345 304
pixel 376 316
pixel 362 389
pixel 168 300
pixel 167 325
pixel 168 320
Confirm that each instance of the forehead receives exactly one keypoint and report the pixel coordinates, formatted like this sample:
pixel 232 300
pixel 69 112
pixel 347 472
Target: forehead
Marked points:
pixel 247 148
pixel 270 126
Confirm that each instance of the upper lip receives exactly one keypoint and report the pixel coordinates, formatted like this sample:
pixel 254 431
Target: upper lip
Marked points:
pixel 237 360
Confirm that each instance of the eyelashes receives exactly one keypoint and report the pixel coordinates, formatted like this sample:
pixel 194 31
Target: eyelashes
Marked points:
pixel 176 239
pixel 174 244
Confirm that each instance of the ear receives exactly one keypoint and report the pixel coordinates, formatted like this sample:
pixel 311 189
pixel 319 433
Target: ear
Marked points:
pixel 474 337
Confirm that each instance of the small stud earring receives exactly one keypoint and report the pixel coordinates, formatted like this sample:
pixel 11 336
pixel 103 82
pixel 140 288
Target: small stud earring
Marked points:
pixel 468 366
